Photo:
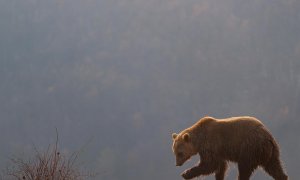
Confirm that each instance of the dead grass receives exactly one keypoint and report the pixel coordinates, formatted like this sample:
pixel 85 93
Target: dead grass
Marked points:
pixel 48 165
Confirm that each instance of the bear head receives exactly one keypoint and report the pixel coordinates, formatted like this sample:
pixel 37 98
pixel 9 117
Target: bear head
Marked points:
pixel 183 147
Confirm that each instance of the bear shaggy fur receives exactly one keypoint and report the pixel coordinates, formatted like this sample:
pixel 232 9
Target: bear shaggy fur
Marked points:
pixel 244 140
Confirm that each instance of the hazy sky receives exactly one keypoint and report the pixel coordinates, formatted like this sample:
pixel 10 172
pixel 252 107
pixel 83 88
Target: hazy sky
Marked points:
pixel 118 77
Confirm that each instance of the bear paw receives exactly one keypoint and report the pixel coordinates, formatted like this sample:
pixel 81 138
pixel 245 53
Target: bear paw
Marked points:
pixel 186 174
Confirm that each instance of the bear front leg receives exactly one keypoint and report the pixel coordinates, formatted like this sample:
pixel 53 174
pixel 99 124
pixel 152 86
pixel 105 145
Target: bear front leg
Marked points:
pixel 204 168
pixel 220 172
pixel 191 173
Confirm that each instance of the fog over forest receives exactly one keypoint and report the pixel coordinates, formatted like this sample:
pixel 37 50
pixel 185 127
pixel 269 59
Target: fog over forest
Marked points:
pixel 118 77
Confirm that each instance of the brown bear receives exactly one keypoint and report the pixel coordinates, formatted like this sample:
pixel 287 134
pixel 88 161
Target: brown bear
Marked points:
pixel 244 140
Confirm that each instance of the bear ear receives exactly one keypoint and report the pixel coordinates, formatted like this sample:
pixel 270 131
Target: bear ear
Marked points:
pixel 174 135
pixel 186 137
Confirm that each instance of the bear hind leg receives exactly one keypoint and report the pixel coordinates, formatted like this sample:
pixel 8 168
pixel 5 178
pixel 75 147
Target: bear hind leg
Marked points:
pixel 274 169
pixel 221 171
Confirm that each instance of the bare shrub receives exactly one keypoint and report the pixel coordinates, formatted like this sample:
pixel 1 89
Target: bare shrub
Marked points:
pixel 48 165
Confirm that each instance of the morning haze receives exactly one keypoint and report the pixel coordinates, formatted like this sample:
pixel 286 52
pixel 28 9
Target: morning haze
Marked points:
pixel 119 76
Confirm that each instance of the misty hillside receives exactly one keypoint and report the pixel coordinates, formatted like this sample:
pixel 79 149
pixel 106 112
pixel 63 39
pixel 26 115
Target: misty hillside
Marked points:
pixel 120 76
